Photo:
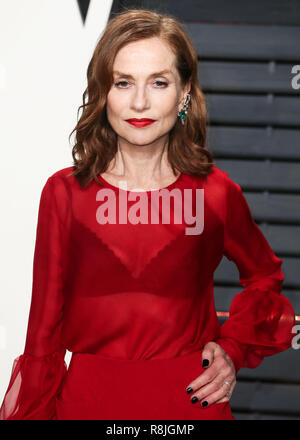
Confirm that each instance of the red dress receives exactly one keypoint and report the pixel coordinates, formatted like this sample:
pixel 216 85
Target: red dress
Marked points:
pixel 134 303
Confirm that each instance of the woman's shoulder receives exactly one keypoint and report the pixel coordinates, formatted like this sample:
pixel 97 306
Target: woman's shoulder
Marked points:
pixel 62 178
pixel 221 177
pixel 64 173
pixel 59 183
pixel 218 187
pixel 214 177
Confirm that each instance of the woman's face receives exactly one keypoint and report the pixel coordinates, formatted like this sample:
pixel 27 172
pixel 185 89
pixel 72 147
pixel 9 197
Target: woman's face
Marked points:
pixel 139 91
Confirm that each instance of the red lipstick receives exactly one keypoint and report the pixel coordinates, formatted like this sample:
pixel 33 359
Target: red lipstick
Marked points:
pixel 140 122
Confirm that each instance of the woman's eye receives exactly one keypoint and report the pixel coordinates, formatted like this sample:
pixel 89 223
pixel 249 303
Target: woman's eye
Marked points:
pixel 122 84
pixel 163 83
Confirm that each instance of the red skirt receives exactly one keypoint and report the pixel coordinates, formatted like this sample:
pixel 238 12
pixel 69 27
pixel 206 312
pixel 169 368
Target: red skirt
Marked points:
pixel 102 388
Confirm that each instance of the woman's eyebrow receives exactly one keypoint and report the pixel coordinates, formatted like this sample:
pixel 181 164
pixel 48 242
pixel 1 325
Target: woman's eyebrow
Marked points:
pixel 127 75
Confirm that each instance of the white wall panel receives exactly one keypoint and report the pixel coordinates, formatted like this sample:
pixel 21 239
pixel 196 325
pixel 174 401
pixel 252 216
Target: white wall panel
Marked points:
pixel 44 53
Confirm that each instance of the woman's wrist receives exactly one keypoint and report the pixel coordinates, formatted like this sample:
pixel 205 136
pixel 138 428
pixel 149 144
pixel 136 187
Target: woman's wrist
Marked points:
pixel 237 351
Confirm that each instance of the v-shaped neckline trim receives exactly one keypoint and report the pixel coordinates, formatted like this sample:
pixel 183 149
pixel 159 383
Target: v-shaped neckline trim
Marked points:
pixel 151 261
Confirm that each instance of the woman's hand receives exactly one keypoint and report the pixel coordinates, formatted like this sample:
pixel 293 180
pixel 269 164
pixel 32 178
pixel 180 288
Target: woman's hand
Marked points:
pixel 216 384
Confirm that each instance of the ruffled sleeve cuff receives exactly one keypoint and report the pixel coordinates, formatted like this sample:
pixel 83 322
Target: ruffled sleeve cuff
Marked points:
pixel 260 324
pixel 34 384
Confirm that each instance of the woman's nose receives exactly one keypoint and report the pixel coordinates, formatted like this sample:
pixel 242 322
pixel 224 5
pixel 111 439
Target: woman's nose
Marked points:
pixel 140 99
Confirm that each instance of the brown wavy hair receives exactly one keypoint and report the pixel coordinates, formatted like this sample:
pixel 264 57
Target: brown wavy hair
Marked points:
pixel 96 141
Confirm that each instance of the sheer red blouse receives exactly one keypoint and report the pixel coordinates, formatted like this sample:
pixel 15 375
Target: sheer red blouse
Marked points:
pixel 144 290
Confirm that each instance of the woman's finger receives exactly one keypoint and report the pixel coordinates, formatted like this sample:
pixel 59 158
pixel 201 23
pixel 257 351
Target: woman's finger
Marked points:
pixel 210 388
pixel 208 354
pixel 219 397
pixel 205 378
pixel 220 364
pixel 214 392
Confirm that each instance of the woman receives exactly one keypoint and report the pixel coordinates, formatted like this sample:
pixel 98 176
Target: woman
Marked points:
pixel 130 297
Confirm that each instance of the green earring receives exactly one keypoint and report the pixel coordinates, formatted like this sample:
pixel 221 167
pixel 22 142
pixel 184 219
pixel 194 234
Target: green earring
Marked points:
pixel 182 114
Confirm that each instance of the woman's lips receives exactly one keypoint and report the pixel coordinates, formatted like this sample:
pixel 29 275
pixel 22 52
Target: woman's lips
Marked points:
pixel 140 122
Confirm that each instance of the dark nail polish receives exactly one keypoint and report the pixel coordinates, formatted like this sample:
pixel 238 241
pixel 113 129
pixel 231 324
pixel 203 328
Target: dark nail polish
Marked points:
pixel 205 362
pixel 205 403
pixel 194 399
pixel 189 390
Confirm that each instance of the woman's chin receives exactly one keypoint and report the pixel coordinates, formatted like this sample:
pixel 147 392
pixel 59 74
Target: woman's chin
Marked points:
pixel 141 140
